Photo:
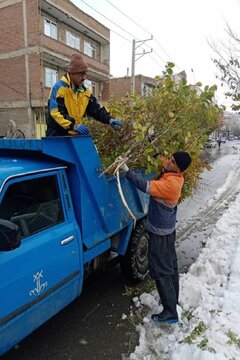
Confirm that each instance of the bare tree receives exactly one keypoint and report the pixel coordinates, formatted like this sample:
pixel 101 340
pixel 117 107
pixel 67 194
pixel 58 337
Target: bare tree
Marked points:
pixel 227 61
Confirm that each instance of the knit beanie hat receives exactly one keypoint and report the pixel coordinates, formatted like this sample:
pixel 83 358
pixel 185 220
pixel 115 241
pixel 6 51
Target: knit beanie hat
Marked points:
pixel 183 160
pixel 77 64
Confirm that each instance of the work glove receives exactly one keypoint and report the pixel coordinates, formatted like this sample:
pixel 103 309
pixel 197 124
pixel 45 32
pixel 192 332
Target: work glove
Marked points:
pixel 115 122
pixel 81 129
pixel 124 167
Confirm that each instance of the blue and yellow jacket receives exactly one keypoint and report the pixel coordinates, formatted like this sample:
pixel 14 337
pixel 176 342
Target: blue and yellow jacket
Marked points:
pixel 164 195
pixel 66 107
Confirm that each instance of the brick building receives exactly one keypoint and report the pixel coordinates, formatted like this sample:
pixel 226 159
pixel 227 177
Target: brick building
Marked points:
pixel 117 88
pixel 37 38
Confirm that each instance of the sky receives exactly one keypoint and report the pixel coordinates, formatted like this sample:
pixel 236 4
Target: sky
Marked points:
pixel 181 31
pixel 209 294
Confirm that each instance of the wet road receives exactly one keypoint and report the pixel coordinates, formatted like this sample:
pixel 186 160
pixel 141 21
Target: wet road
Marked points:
pixel 196 218
pixel 91 327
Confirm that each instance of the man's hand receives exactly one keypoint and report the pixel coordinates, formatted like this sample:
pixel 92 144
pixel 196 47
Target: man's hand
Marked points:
pixel 124 167
pixel 115 122
pixel 81 129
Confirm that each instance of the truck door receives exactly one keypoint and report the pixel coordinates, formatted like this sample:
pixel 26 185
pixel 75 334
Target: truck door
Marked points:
pixel 43 275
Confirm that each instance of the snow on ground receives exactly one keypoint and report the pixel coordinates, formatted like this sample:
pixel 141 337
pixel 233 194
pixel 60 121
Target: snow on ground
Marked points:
pixel 209 327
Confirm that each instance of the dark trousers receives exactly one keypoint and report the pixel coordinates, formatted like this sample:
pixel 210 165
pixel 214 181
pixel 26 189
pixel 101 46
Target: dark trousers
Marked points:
pixel 163 258
pixel 162 255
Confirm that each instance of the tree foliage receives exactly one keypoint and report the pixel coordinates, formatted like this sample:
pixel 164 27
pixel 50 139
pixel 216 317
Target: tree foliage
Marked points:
pixel 174 117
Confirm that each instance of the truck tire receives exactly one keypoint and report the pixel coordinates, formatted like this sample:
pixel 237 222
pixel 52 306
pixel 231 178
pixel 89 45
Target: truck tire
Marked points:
pixel 134 264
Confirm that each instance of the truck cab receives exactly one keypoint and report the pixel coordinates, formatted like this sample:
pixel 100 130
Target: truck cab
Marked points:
pixel 57 218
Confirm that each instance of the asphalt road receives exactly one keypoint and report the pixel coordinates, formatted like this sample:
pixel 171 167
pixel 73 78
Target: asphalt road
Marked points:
pixel 91 327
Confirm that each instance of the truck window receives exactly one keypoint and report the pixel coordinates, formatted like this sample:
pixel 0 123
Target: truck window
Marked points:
pixel 33 205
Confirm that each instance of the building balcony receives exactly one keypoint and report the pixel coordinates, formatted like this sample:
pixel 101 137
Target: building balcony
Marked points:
pixel 58 54
pixel 72 16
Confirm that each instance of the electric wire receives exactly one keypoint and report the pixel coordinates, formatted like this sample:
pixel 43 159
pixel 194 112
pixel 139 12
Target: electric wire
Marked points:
pixel 141 27
pixel 128 17
pixel 98 12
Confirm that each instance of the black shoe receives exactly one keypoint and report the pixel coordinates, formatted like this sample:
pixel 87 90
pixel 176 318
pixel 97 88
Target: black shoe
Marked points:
pixel 169 301
pixel 165 317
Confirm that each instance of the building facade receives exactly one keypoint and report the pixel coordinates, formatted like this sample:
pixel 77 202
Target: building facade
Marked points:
pixel 117 88
pixel 37 38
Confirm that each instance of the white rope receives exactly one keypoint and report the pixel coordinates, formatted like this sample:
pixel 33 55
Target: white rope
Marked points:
pixel 116 173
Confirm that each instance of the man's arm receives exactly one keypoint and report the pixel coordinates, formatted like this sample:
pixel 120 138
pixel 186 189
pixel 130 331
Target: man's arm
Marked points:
pixel 138 181
pixel 98 112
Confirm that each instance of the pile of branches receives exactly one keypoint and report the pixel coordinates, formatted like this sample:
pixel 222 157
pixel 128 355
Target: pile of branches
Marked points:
pixel 175 116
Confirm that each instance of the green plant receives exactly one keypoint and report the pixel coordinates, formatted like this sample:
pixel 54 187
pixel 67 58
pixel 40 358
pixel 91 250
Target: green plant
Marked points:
pixel 233 339
pixel 197 331
pixel 147 286
pixel 188 314
pixel 203 345
pixel 173 117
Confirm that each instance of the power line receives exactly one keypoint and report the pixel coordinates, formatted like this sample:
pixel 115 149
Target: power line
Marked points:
pixel 155 60
pixel 166 53
pixel 123 37
pixel 133 36
pixel 128 17
pixel 159 57
pixel 141 27
pixel 98 12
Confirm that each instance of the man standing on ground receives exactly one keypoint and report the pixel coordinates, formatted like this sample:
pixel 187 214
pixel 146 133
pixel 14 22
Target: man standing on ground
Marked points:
pixel 161 222
pixel 70 100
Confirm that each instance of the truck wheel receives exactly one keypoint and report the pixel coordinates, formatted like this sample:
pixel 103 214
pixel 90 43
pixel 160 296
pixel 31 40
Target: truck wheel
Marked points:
pixel 134 265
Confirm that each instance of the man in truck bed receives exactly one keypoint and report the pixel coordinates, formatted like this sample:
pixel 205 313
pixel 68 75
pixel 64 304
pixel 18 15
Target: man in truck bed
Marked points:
pixel 70 100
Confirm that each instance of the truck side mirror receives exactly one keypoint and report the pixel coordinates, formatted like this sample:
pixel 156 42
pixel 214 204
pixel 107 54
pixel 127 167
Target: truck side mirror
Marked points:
pixel 9 235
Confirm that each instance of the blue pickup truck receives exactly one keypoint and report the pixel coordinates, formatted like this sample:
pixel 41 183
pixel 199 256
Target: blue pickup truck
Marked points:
pixel 58 221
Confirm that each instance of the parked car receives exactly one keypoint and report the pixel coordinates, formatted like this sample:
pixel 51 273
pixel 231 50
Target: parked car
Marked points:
pixel 210 143
pixel 223 140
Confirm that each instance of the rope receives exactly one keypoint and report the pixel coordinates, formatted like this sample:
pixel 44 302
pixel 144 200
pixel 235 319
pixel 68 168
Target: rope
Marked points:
pixel 116 173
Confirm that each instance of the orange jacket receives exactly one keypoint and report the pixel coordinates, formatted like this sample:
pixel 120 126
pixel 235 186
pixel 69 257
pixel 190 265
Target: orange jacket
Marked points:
pixel 167 189
pixel 165 193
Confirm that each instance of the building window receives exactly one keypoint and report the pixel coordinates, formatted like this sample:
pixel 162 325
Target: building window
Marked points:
pixel 89 49
pixel 72 40
pixel 50 29
pixel 51 76
pixel 91 85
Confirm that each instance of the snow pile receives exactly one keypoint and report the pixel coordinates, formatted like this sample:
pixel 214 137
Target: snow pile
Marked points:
pixel 230 178
pixel 213 185
pixel 210 299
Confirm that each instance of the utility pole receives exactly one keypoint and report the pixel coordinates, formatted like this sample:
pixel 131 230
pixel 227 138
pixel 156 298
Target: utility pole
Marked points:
pixel 141 54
